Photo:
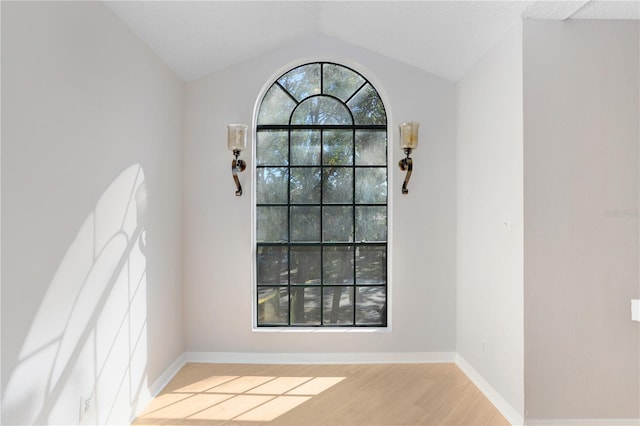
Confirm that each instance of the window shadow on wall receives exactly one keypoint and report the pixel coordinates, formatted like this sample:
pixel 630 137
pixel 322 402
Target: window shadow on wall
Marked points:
pixel 85 355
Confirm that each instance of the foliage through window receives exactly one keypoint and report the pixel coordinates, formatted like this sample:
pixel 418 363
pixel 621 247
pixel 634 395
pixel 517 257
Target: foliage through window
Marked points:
pixel 321 200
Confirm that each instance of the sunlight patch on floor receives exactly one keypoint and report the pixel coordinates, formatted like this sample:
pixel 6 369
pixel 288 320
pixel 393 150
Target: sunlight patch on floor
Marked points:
pixel 274 408
pixel 241 398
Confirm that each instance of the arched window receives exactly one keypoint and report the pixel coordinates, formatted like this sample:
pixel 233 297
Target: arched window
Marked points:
pixel 321 200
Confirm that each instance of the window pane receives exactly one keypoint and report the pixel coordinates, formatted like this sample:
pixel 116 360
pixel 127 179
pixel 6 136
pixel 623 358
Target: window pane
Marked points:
pixel 340 81
pixel 305 265
pixel 305 185
pixel 371 223
pixel 371 305
pixel 337 223
pixel 271 224
pixel 321 110
pixel 367 107
pixel 305 224
pixel 337 147
pixel 302 82
pixel 371 147
pixel 276 107
pixel 272 148
pixel 273 266
pixel 371 186
pixel 273 305
pixel 271 185
pixel 337 265
pixel 337 305
pixel 371 265
pixel 305 305
pixel 317 191
pixel 337 185
pixel 305 147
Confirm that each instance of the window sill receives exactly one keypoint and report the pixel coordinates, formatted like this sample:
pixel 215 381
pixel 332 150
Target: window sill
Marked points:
pixel 321 329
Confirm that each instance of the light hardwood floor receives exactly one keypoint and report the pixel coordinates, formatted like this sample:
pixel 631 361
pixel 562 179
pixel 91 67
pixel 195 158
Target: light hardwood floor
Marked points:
pixel 332 395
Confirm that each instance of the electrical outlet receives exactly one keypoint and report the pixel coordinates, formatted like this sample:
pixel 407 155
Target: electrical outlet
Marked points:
pixel 86 404
pixel 506 223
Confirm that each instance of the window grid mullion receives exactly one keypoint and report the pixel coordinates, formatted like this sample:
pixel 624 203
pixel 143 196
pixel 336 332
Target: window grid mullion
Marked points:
pixel 289 126
pixel 354 245
pixel 289 228
pixel 319 205
pixel 311 166
pixel 321 224
pixel 320 244
pixel 353 213
pixel 356 92
pixel 287 93
pixel 321 208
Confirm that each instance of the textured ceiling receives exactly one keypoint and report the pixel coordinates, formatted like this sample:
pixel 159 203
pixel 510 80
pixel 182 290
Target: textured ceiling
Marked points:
pixel 441 37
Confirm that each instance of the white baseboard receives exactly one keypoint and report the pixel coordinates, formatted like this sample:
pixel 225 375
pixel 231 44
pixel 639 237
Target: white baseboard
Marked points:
pixel 583 422
pixel 510 413
pixel 320 358
pixel 167 375
pixel 154 389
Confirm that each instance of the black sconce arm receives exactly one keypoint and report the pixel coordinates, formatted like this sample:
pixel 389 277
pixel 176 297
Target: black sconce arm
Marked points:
pixel 406 165
pixel 237 166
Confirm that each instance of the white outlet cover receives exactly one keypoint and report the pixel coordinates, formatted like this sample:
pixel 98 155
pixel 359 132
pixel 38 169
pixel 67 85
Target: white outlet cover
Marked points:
pixel 506 222
pixel 635 309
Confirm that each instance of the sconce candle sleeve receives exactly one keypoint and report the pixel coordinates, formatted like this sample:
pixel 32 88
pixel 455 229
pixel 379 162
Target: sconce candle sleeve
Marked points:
pixel 409 135
pixel 237 137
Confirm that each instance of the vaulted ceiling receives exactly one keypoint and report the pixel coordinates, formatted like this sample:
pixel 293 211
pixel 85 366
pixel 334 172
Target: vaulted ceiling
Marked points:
pixel 441 37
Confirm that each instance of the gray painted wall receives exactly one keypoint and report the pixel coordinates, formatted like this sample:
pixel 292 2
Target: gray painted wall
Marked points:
pixel 490 220
pixel 91 215
pixel 582 351
pixel 217 226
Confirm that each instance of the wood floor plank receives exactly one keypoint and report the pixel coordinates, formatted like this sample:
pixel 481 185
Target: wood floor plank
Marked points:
pixel 321 395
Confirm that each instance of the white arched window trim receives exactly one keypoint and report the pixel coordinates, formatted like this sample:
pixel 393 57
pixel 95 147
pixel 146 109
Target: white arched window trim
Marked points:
pixel 391 142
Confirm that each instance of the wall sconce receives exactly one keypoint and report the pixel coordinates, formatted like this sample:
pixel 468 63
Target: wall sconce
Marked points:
pixel 237 142
pixel 408 142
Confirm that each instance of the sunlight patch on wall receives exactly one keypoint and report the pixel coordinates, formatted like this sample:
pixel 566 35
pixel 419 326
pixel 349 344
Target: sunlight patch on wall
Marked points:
pixel 237 398
pixel 87 340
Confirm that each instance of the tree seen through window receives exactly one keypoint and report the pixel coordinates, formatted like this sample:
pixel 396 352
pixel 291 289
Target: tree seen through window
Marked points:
pixel 321 200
